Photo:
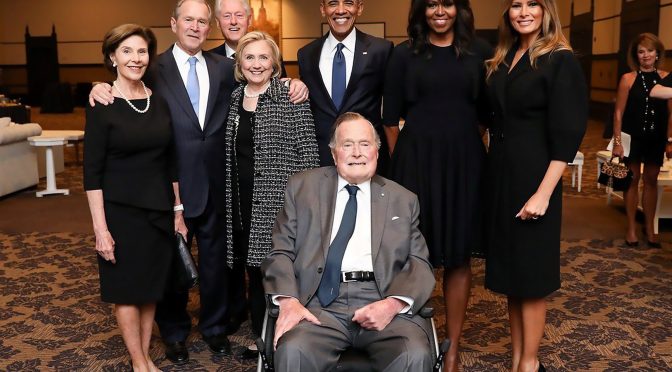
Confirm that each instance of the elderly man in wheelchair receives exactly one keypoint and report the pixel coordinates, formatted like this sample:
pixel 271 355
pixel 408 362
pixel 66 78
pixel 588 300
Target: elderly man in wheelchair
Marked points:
pixel 349 269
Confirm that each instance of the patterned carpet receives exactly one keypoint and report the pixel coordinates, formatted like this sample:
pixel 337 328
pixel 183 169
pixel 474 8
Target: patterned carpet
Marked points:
pixel 613 313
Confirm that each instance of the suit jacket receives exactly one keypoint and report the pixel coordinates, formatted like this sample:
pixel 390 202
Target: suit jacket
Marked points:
pixel 363 94
pixel 201 153
pixel 302 233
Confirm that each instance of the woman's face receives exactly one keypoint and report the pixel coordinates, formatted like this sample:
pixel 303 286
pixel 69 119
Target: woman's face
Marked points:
pixel 131 57
pixel 256 62
pixel 646 57
pixel 440 17
pixel 526 17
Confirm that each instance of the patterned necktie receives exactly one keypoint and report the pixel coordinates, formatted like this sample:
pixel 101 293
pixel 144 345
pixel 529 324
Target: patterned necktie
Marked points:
pixel 338 77
pixel 331 280
pixel 192 84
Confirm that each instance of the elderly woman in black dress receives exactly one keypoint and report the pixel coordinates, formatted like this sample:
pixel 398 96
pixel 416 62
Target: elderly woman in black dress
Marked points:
pixel 130 180
pixel 268 139
pixel 435 81
pixel 539 96
pixel 646 121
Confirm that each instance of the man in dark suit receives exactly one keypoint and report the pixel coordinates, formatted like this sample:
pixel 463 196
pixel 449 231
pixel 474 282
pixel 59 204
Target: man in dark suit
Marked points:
pixel 349 266
pixel 197 86
pixel 358 85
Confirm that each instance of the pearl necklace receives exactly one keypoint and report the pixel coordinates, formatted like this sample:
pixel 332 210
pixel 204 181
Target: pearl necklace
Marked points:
pixel 647 126
pixel 129 102
pixel 262 91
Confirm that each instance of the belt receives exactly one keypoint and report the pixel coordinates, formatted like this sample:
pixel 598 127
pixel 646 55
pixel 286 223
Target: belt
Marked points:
pixel 357 276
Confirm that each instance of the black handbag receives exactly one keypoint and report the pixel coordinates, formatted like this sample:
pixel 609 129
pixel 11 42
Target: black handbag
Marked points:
pixel 184 268
pixel 616 176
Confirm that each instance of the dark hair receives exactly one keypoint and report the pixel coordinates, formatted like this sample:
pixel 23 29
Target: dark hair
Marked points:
pixel 117 35
pixel 649 41
pixel 418 30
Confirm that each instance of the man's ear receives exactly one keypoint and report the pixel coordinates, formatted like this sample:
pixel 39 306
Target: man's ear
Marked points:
pixel 173 24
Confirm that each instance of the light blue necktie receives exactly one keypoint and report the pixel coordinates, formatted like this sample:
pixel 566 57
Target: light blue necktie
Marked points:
pixel 192 84
pixel 338 77
pixel 331 280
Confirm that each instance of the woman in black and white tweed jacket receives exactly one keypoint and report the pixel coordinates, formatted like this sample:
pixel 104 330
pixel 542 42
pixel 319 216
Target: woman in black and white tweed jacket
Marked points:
pixel 268 139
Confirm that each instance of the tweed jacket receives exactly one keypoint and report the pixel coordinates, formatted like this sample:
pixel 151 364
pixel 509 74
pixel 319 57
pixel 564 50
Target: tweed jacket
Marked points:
pixel 284 144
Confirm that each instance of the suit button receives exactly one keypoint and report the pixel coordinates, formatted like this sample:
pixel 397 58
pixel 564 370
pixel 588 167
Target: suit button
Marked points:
pixel 319 270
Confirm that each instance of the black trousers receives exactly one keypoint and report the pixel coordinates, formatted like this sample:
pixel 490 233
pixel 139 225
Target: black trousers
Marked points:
pixel 214 282
pixel 256 302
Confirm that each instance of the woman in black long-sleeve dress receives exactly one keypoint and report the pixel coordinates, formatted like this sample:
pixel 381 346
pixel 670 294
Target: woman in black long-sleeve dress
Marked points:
pixel 540 102
pixel 645 119
pixel 435 81
pixel 130 178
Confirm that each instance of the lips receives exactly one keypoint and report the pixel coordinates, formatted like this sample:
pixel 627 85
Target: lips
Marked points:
pixel 341 20
pixel 360 163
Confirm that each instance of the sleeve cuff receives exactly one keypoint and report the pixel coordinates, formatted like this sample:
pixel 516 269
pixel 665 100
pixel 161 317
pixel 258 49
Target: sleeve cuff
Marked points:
pixel 409 303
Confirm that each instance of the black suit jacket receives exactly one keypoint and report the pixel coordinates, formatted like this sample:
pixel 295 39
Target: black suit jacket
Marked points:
pixel 363 94
pixel 201 155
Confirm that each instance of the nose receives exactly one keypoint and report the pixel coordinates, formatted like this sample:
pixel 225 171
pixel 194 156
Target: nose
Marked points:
pixel 355 150
pixel 440 10
pixel 234 20
pixel 340 8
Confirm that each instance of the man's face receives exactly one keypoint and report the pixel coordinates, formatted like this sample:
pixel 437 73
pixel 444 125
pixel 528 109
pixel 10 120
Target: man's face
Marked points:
pixel 232 21
pixel 341 15
pixel 356 152
pixel 191 26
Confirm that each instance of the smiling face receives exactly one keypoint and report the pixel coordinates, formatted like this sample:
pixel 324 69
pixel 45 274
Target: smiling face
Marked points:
pixel 341 15
pixel 646 57
pixel 132 58
pixel 355 152
pixel 256 63
pixel 191 26
pixel 440 17
pixel 233 21
pixel 526 17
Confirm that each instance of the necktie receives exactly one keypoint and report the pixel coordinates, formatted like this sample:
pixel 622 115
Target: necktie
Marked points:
pixel 233 55
pixel 192 84
pixel 338 76
pixel 331 280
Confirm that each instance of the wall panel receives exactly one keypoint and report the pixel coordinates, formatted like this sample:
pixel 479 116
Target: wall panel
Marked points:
pixel 606 36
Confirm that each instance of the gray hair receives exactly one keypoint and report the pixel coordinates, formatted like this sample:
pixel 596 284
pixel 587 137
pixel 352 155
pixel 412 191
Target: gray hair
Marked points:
pixel 351 116
pixel 245 3
pixel 176 11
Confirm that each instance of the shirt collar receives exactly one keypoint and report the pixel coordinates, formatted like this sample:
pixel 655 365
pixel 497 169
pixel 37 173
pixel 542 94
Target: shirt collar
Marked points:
pixel 348 42
pixel 364 187
pixel 181 57
pixel 229 50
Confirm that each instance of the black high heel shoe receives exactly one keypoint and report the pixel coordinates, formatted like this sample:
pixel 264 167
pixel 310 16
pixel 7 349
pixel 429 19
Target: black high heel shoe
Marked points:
pixel 632 244
pixel 541 368
pixel 651 244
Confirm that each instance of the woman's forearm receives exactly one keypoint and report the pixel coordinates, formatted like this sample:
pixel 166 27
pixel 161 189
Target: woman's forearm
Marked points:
pixel 96 206
pixel 661 92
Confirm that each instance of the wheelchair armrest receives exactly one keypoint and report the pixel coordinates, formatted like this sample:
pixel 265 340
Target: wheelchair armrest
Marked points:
pixel 427 312
pixel 273 310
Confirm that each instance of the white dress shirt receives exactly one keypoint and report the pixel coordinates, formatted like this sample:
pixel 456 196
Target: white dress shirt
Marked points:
pixel 327 57
pixel 229 51
pixel 182 60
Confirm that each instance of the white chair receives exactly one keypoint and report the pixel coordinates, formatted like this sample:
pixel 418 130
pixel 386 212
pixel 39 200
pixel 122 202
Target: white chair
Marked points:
pixel 577 167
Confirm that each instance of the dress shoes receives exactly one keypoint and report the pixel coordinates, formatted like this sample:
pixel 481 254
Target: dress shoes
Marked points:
pixel 651 244
pixel 218 344
pixel 177 352
pixel 249 354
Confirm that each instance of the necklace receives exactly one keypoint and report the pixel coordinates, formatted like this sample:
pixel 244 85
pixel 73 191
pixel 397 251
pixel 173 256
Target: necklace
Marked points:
pixel 648 126
pixel 262 91
pixel 129 102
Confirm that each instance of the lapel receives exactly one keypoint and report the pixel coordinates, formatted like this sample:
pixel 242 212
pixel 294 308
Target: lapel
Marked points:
pixel 173 81
pixel 327 206
pixel 314 57
pixel 214 72
pixel 359 63
pixel 379 202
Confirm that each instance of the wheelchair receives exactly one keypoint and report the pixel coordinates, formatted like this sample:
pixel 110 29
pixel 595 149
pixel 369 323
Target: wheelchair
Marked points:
pixel 352 360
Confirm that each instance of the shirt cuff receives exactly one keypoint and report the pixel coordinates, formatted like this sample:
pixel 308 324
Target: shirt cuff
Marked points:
pixel 274 299
pixel 409 303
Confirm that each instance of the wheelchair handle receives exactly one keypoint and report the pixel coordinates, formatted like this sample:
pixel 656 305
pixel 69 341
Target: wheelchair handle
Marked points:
pixel 445 345
pixel 268 367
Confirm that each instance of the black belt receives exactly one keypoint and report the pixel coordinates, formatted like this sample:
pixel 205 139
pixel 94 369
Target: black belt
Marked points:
pixel 357 276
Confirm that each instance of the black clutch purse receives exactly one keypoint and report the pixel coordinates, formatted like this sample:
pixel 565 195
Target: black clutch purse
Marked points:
pixel 185 270
pixel 616 176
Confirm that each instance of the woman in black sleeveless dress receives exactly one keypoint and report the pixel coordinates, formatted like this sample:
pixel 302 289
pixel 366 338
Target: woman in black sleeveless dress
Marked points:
pixel 435 81
pixel 645 119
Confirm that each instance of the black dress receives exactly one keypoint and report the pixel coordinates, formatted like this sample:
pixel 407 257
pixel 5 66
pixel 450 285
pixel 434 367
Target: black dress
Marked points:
pixel 540 115
pixel 130 157
pixel 645 120
pixel 439 154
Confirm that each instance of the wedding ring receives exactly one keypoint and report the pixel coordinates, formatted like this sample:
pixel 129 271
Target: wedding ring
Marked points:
pixel 534 217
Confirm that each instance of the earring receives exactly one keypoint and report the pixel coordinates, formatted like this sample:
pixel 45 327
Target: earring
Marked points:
pixel 114 64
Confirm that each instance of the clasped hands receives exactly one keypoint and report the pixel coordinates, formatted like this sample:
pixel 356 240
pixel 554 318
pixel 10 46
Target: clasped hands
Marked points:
pixel 373 317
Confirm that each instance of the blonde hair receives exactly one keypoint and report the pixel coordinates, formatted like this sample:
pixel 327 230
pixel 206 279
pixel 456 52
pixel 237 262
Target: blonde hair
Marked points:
pixel 550 38
pixel 250 38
